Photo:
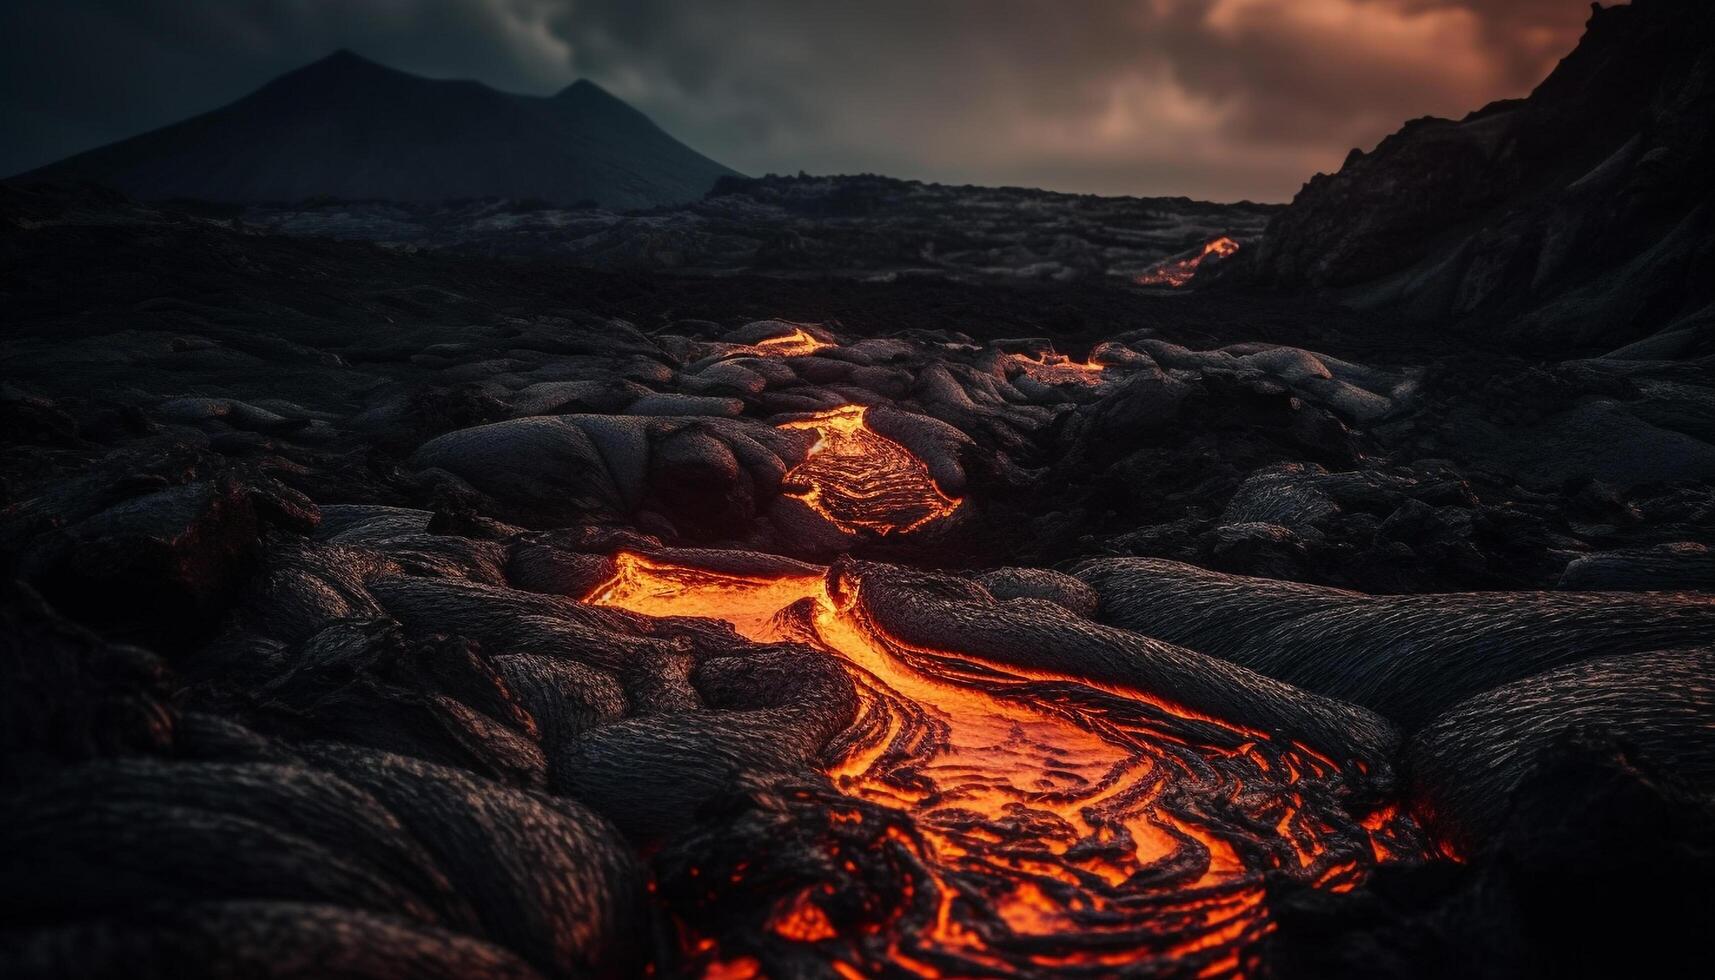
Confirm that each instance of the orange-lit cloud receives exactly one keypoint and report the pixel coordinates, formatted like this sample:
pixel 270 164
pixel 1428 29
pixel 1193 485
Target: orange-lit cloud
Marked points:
pixel 1213 98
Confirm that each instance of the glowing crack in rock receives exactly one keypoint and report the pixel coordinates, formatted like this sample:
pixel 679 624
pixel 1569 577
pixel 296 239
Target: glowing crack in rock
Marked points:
pixel 1063 827
pixel 863 481
pixel 1178 271
pixel 795 344
pixel 1052 368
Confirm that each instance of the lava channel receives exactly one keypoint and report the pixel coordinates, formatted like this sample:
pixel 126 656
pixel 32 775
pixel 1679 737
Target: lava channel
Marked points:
pixel 1052 368
pixel 1176 272
pixel 798 343
pixel 860 480
pixel 1047 826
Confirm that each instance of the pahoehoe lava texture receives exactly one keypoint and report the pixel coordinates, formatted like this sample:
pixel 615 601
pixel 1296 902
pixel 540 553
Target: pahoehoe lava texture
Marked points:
pixel 592 673
pixel 1018 791
pixel 422 850
pixel 371 611
pixel 1035 635
pixel 1467 763
pixel 1407 657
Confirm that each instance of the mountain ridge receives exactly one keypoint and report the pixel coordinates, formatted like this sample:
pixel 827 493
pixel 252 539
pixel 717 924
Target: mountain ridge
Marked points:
pixel 345 126
pixel 1580 217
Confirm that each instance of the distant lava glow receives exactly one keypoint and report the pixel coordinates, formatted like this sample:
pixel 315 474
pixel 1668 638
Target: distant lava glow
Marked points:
pixel 1178 272
pixel 1031 823
pixel 862 481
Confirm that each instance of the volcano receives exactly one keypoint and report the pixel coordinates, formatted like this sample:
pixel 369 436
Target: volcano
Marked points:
pixel 348 128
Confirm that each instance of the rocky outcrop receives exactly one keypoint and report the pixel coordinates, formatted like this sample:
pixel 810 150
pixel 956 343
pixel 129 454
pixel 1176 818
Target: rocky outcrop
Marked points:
pixel 1578 218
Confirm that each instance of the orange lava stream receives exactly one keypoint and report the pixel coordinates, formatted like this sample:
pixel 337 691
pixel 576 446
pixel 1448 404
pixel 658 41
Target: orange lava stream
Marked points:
pixel 795 344
pixel 1056 813
pixel 1055 368
pixel 862 481
pixel 1178 273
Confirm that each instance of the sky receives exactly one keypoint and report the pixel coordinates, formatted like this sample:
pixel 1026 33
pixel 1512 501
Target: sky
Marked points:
pixel 1215 99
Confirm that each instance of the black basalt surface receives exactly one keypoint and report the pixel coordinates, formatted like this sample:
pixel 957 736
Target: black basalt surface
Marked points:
pixel 1405 639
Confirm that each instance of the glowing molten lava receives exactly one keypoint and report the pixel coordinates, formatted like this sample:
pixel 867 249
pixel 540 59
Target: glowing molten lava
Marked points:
pixel 862 481
pixel 1052 368
pixel 1222 247
pixel 1178 272
pixel 1045 826
pixel 795 344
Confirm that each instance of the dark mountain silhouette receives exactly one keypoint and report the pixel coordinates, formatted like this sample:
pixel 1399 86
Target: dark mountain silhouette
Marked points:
pixel 349 128
pixel 1581 217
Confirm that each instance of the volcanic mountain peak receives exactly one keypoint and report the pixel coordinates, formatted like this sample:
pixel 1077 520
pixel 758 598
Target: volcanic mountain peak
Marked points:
pixel 586 90
pixel 342 59
pixel 348 127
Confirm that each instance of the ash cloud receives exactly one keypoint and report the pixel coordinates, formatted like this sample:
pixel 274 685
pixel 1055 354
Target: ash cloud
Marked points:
pixel 1221 99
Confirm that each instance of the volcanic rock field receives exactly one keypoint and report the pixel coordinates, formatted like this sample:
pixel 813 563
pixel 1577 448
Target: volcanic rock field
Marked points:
pixel 377 613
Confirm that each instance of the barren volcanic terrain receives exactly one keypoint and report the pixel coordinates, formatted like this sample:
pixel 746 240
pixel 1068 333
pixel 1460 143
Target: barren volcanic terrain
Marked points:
pixel 516 637
pixel 864 227
pixel 872 587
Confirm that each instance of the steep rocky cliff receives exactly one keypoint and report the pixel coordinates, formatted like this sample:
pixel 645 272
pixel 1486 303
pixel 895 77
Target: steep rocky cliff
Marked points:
pixel 1579 218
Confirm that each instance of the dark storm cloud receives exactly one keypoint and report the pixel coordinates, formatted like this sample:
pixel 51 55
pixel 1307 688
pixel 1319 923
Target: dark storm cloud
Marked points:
pixel 1213 98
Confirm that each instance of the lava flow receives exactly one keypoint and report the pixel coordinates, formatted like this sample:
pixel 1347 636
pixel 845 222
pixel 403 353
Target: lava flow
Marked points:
pixel 1045 825
pixel 795 344
pixel 863 481
pixel 1177 272
pixel 1053 368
